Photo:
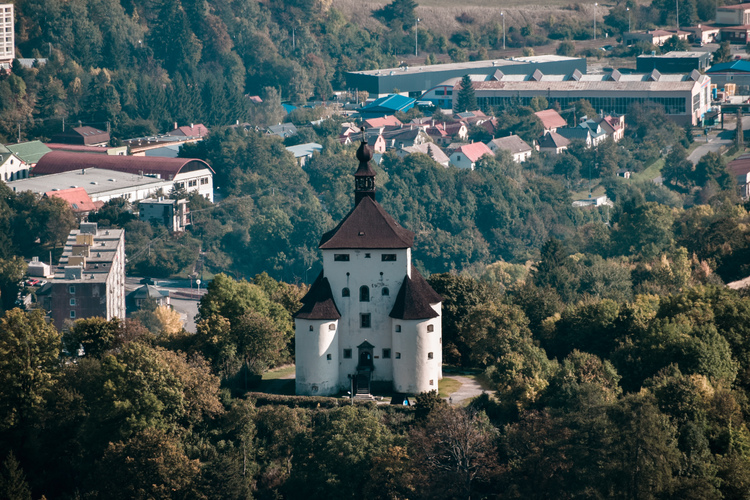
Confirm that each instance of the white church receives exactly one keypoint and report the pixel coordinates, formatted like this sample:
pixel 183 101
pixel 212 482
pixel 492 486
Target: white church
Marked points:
pixel 369 316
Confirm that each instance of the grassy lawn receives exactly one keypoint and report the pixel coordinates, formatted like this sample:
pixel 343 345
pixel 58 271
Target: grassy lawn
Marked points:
pixel 280 373
pixel 596 190
pixel 651 173
pixel 448 386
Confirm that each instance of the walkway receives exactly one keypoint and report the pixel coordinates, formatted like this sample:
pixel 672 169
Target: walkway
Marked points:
pixel 469 389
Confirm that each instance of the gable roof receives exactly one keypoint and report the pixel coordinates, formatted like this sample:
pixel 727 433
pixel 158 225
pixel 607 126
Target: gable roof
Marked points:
pixel 511 143
pixel 29 152
pixel 197 130
pixel 551 119
pixel 553 140
pixel 166 168
pixel 430 150
pixel 367 226
pixel 383 121
pixel 77 198
pixel 318 302
pixel 283 130
pixel 575 133
pixel 414 299
pixel 86 136
pixel 740 165
pixel 474 151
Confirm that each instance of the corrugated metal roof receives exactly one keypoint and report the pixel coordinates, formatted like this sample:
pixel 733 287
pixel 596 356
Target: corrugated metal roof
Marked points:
pixel 166 168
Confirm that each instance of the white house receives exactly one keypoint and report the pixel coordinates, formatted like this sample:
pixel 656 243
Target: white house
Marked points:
pixel 11 166
pixel 517 147
pixel 466 156
pixel 369 316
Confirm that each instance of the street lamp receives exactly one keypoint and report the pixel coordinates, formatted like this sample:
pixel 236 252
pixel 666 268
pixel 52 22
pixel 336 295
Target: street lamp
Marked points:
pixel 628 9
pixel 416 39
pixel 595 4
pixel 502 14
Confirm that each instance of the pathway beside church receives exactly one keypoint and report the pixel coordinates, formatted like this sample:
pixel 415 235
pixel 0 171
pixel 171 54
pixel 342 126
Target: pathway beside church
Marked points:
pixel 469 389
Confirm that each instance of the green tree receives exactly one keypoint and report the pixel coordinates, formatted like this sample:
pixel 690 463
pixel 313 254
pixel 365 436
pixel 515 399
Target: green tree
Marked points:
pixel 29 362
pixel 712 166
pixel 466 100
pixel 678 170
pixel 566 48
pixel 399 14
pixel 12 271
pixel 13 485
pixel 723 53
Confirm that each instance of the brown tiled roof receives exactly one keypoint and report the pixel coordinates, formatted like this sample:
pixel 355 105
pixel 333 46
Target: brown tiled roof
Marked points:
pixel 167 168
pixel 551 118
pixel 367 226
pixel 318 303
pixel 414 299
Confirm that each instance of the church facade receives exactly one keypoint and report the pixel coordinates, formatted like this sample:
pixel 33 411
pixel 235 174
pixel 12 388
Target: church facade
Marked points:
pixel 369 316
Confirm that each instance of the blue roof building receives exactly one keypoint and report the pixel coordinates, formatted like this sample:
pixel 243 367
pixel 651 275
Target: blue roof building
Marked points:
pixel 387 105
pixel 737 72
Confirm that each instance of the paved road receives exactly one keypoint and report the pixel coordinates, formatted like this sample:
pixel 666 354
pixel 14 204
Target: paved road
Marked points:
pixel 718 138
pixel 469 389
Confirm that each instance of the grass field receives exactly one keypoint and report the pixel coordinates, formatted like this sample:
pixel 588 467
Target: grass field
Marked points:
pixel 447 386
pixel 283 372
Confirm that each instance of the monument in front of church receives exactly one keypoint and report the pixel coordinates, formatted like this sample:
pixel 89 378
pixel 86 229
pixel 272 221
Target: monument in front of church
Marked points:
pixel 369 316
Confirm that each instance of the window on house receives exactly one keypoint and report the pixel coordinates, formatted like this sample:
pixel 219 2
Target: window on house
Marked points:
pixel 364 294
pixel 388 257
pixel 398 355
pixel 311 328
pixel 72 302
pixel 72 314
pixel 386 292
pixel 71 289
pixel 347 353
pixel 332 326
pixel 341 257
pixel 367 256
pixel 328 357
pixel 364 320
pixel 430 328
pixel 386 354
pixel 398 328
pixel 432 382
pixel 345 292
pixel 430 356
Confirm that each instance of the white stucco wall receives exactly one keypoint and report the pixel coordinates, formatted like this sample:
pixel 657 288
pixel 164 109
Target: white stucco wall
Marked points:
pixel 414 370
pixel 316 374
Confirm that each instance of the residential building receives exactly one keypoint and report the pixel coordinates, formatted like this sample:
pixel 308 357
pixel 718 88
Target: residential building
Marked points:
pixel 136 299
pixel 369 317
pixel 517 147
pixel 83 136
pixel 582 134
pixel 303 152
pixel 78 199
pixel 551 120
pixel 11 166
pixel 735 34
pixel 282 130
pixel 172 214
pixel 99 184
pixel 676 61
pixel 685 98
pixel 552 142
pixel 381 122
pixel 429 149
pixel 190 174
pixel 196 131
pixel 7 36
pixel 468 155
pixel 89 280
pixel 613 126
pixel 405 137
pixel 29 152
pixel 414 81
pixel 703 34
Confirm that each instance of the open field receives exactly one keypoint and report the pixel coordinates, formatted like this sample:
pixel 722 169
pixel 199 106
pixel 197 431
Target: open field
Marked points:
pixel 447 386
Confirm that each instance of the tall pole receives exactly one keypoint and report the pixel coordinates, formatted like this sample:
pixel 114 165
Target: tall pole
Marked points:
pixel 595 4
pixel 416 39
pixel 502 14
pixel 677 14
pixel 628 9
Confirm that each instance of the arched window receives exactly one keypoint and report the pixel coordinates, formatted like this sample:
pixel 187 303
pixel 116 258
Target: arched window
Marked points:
pixel 430 328
pixel 364 294
pixel 332 326
pixel 386 292
pixel 345 292
pixel 311 328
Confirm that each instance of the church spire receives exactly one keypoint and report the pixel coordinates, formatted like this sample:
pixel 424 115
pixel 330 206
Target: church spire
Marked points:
pixel 364 177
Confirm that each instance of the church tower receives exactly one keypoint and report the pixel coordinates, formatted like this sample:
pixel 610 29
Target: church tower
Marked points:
pixel 369 316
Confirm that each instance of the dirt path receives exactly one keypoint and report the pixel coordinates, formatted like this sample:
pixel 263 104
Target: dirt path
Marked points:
pixel 469 389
